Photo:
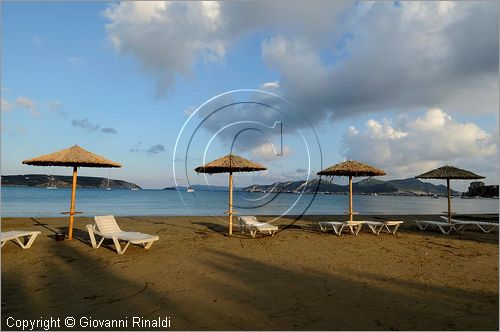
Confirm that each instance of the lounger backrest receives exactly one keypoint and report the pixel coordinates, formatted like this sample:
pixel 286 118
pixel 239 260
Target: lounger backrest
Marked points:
pixel 106 224
pixel 249 220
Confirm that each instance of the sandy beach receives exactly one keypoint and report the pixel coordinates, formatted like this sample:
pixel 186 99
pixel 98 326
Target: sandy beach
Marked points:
pixel 300 279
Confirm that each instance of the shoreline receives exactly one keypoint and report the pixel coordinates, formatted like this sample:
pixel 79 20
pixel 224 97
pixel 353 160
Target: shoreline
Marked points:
pixel 300 279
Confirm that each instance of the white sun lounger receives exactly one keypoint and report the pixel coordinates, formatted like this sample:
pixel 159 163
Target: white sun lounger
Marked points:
pixel 15 236
pixel 377 226
pixel 339 226
pixel 485 226
pixel 253 225
pixel 444 227
pixel 107 228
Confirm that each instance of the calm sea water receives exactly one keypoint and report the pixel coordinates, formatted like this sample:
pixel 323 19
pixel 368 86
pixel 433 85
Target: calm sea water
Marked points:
pixel 36 202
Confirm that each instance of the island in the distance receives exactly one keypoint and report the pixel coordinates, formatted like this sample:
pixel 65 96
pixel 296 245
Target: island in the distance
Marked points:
pixel 62 181
pixel 369 186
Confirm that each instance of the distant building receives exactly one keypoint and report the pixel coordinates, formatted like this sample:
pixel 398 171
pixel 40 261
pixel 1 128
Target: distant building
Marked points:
pixel 479 189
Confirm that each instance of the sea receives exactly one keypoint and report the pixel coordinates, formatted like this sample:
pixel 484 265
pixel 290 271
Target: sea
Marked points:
pixel 42 202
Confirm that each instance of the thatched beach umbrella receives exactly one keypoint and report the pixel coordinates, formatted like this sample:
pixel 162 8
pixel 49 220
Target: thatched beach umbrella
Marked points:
pixel 74 157
pixel 449 172
pixel 230 164
pixel 351 168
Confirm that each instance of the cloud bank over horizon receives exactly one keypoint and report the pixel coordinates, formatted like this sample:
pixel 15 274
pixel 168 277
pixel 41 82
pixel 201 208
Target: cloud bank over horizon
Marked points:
pixel 409 145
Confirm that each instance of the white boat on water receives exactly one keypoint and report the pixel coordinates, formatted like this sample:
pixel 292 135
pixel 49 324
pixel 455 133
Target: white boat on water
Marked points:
pixel 190 190
pixel 51 184
pixel 134 189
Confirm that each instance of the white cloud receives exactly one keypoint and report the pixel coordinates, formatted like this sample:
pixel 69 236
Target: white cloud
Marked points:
pixel 188 111
pixel 28 104
pixel 270 85
pixel 167 38
pixel 25 102
pixel 6 106
pixel 411 146
pixel 76 61
pixel 268 151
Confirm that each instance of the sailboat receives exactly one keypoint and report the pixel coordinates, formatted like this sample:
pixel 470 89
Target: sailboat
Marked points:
pixel 107 186
pixel 51 184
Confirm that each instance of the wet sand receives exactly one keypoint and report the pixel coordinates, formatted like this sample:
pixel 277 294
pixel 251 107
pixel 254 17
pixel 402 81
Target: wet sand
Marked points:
pixel 300 279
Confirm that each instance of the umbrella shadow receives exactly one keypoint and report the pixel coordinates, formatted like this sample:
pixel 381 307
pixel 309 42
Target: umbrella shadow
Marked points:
pixel 222 230
pixel 74 283
pixel 45 226
pixel 292 299
pixel 233 292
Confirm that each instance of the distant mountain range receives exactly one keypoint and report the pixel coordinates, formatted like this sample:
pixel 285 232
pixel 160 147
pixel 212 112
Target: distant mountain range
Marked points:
pixel 203 187
pixel 60 181
pixel 410 186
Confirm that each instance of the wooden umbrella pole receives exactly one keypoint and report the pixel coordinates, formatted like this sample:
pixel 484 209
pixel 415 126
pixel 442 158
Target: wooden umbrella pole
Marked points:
pixel 230 203
pixel 350 198
pixel 72 206
pixel 449 200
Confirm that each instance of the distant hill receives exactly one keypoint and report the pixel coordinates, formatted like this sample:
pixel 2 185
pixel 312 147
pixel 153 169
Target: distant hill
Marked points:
pixel 410 186
pixel 62 181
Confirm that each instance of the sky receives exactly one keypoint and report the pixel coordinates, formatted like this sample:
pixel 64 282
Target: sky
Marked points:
pixel 162 87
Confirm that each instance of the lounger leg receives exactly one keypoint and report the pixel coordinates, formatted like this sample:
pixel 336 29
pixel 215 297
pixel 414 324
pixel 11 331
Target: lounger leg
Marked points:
pixel 30 241
pixel 373 229
pixel 444 231
pixel 148 245
pixel 100 242
pixel 358 228
pixel 353 229
pixel 395 229
pixel 322 227
pixel 460 228
pixel 90 229
pixel 3 243
pixel 20 242
pixel 422 227
pixel 253 233
pixel 119 247
pixel 485 229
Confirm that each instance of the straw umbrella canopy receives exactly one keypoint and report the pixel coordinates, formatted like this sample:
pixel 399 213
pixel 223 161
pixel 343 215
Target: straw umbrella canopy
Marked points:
pixel 449 172
pixel 351 168
pixel 74 157
pixel 230 164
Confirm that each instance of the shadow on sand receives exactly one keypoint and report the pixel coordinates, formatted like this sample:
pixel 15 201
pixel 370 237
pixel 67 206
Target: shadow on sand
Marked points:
pixel 234 292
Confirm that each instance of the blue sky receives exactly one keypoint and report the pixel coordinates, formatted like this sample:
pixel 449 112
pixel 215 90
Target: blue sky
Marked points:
pixel 120 80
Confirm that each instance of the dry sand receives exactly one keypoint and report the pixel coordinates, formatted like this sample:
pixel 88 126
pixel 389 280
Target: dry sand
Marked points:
pixel 300 279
